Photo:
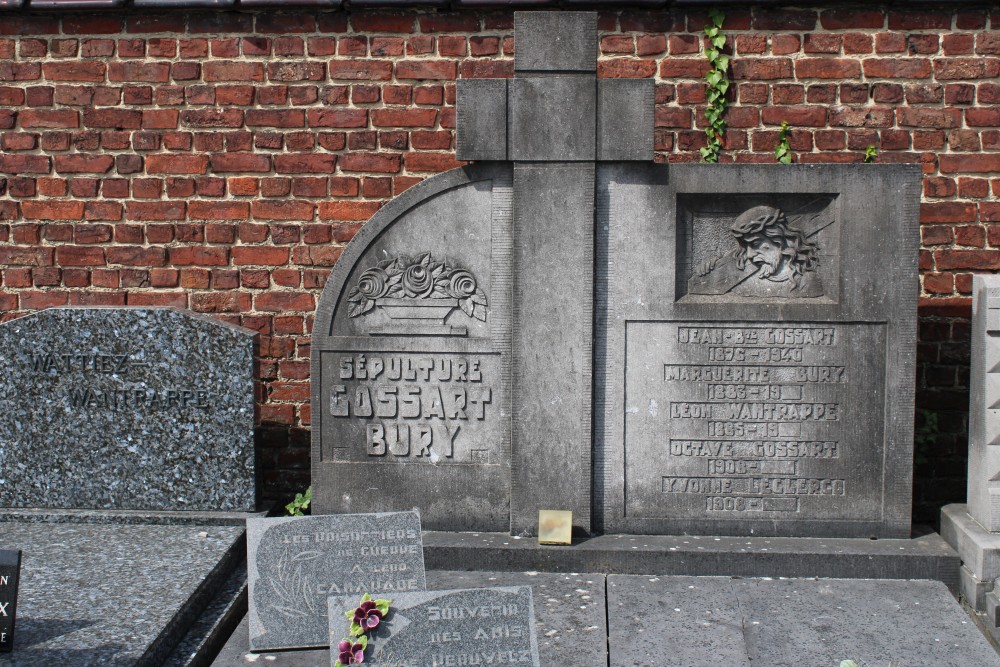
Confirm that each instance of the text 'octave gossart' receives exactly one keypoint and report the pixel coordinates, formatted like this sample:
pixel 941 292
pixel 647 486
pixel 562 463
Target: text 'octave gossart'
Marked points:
pixel 415 405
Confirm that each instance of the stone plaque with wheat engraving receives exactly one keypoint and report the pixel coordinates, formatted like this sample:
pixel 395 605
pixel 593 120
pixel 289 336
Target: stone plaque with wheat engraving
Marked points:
pixel 294 563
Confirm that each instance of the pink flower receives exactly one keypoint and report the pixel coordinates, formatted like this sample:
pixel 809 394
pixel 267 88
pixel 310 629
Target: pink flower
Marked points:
pixel 367 615
pixel 351 654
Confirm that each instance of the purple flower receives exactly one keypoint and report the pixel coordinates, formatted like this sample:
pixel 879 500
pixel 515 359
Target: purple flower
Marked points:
pixel 351 654
pixel 367 615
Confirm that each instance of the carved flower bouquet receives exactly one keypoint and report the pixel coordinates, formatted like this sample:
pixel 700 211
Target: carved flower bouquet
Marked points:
pixel 420 288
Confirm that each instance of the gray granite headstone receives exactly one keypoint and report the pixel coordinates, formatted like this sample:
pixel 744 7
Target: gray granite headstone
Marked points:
pixel 10 571
pixel 126 408
pixel 295 563
pixel 709 349
pixel 470 626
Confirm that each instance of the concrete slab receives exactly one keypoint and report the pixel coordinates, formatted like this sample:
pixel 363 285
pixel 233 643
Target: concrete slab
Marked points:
pixel 101 594
pixel 569 620
pixel 666 621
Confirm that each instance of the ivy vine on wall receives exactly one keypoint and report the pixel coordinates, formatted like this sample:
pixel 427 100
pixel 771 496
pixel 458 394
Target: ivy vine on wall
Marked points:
pixel 717 85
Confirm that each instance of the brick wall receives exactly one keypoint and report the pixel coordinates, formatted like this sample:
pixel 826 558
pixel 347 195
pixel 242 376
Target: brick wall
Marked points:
pixel 220 161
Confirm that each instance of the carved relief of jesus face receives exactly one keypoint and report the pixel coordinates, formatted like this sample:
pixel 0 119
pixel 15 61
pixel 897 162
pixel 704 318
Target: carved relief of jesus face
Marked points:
pixel 765 254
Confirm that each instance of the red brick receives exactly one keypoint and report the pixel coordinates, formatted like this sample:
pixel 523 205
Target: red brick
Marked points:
pixel 919 20
pixel 426 69
pixel 783 19
pixel 139 71
pixel 404 117
pixel 370 162
pixel 52 210
pixel 26 256
pixel 220 302
pixel 198 255
pixel 852 19
pixel 240 162
pixel 970 235
pixel 361 70
pixel 827 68
pixel 42 300
pixel 25 164
pixel 382 22
pixel 989 211
pixel 861 117
pixel 74 71
pixel 120 119
pixel 207 118
pixel 449 23
pixel 939 283
pixel 169 163
pixel 275 118
pixel 821 43
pixel 347 210
pixel 890 43
pixel 80 163
pixel 897 68
pixel 175 299
pixel 303 163
pixel 282 302
pixel 626 68
pixel 218 210
pixel 69 255
pixel 11 71
pixel 227 71
pixel 757 69
pixel 966 68
pixel 797 116
pixel 260 256
pixel 102 210
pixel 136 255
pixel 155 211
pixel 933 118
pixel 951 163
pixel 947 212
pixel 695 68
pixel 284 209
pixel 49 118
pixel 949 260
pixel 296 71
pixel 432 162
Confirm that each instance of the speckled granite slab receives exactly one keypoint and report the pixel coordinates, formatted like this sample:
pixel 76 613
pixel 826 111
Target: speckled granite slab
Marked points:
pixel 294 563
pixel 126 408
pixel 96 594
pixel 10 571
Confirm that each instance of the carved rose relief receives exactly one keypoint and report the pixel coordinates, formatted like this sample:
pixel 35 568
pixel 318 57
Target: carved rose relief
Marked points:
pixel 407 285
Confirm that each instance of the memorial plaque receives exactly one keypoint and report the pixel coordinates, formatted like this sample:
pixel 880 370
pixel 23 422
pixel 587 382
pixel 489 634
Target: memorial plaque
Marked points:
pixel 295 563
pixel 410 359
pixel 759 376
pixel 10 571
pixel 126 408
pixel 470 626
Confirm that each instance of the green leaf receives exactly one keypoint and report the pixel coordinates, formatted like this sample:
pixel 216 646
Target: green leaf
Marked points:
pixel 719 41
pixel 356 630
pixel 717 16
pixel 363 641
pixel 349 614
pixel 723 63
pixel 382 605
pixel 366 597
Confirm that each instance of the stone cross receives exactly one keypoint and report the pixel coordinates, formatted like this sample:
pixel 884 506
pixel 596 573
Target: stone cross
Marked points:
pixel 554 120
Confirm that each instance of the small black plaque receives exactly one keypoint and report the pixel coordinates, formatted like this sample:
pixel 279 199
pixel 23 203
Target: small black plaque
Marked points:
pixel 10 568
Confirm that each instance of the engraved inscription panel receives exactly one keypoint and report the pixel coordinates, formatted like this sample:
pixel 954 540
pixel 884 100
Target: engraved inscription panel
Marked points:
pixel 764 420
pixel 417 408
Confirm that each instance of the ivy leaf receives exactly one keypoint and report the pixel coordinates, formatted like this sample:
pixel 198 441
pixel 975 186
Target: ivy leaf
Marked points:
pixel 712 55
pixel 718 41
pixel 723 63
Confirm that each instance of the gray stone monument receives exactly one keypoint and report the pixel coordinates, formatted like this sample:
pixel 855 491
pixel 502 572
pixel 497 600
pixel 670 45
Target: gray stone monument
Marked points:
pixel 295 563
pixel 126 408
pixel 708 349
pixel 471 626
pixel 973 529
